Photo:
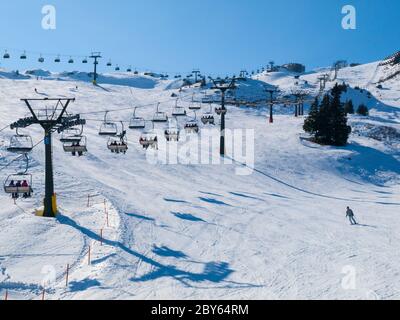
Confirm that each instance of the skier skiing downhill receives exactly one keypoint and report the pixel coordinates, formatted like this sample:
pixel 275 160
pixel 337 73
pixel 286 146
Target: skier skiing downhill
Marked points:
pixel 350 215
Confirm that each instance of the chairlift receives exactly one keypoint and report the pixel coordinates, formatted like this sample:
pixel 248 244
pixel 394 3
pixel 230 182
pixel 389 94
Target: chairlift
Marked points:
pixel 129 69
pixel 23 56
pixel 76 145
pixel 194 106
pixel 178 111
pixel 41 59
pixel 19 184
pixel 71 60
pixel 20 143
pixel 109 63
pixel 192 126
pixel 136 72
pixel 208 117
pixel 137 122
pixel 160 116
pixel 71 135
pixel 6 55
pixel 108 128
pixel 85 60
pixel 172 131
pixel 220 111
pixel 117 68
pixel 118 144
pixel 149 139
pixel 57 59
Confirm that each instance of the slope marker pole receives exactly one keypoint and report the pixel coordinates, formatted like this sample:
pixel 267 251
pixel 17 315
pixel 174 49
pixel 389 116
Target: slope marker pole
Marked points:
pixel 67 276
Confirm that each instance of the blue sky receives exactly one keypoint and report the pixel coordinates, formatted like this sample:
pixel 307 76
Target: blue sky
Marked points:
pixel 217 36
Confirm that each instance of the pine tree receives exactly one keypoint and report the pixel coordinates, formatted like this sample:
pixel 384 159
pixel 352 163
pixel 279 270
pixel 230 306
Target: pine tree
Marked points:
pixel 340 131
pixel 328 121
pixel 363 110
pixel 349 107
pixel 311 122
pixel 324 124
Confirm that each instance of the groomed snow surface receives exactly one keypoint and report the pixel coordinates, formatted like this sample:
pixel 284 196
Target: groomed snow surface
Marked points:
pixel 193 231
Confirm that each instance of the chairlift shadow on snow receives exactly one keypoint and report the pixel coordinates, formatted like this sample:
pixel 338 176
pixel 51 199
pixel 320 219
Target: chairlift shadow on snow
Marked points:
pixel 175 200
pixel 214 272
pixel 187 217
pixel 140 217
pixel 83 285
pixel 168 253
pixel 214 201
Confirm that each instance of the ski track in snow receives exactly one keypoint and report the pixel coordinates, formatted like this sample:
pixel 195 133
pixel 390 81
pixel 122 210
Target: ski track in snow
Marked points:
pixel 199 231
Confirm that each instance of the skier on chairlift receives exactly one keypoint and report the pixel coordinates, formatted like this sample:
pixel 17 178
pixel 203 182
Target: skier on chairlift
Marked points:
pixel 25 185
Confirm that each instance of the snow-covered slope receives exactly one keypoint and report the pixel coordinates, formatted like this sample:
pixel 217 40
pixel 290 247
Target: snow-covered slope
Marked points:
pixel 202 231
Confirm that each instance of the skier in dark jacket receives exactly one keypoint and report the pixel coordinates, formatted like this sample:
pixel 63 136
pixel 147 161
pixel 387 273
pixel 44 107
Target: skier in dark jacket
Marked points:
pixel 350 215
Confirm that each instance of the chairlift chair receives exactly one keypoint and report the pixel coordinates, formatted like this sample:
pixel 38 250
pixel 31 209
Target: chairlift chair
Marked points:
pixel 71 60
pixel 77 147
pixel 6 55
pixel 108 128
pixel 71 135
pixel 219 111
pixel 208 117
pixel 160 116
pixel 129 69
pixel 19 184
pixel 137 122
pixel 57 59
pixel 117 68
pixel 194 106
pixel 136 72
pixel 172 131
pixel 149 139
pixel 109 63
pixel 23 56
pixel 85 60
pixel 118 145
pixel 192 126
pixel 20 144
pixel 41 59
pixel 172 134
pixel 178 111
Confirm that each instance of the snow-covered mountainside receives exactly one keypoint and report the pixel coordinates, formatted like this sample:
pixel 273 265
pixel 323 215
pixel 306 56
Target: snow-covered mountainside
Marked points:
pixel 203 231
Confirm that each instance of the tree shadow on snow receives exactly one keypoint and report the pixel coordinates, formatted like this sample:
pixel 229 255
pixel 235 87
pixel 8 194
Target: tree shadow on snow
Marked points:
pixel 216 272
pixel 367 162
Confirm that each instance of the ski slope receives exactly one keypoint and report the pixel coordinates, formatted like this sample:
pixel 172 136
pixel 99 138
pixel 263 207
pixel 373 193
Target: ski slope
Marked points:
pixel 192 231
